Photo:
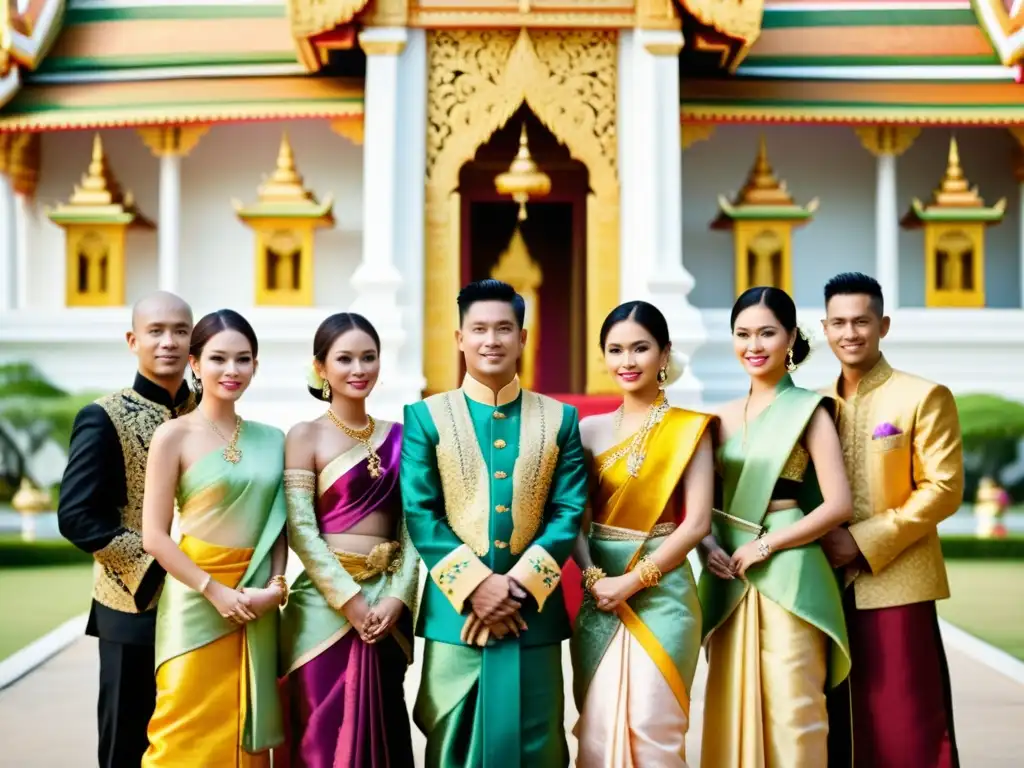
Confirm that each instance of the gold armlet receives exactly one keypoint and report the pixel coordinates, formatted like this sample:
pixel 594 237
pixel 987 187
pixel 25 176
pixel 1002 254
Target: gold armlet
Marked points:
pixel 650 573
pixel 206 585
pixel 281 584
pixel 591 576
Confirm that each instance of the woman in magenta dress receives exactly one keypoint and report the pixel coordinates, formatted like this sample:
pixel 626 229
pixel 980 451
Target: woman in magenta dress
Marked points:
pixel 346 632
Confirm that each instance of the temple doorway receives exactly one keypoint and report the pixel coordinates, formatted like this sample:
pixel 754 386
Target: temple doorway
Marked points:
pixel 543 256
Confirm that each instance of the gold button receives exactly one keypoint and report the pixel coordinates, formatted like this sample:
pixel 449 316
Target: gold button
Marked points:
pixel 501 508
pixel 500 544
pixel 499 475
pixel 499 443
pixel 498 415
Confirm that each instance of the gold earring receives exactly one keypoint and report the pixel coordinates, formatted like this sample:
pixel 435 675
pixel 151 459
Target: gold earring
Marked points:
pixel 662 375
pixel 325 391
pixel 790 365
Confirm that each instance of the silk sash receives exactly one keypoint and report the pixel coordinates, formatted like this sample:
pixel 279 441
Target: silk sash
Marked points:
pixel 186 620
pixel 798 579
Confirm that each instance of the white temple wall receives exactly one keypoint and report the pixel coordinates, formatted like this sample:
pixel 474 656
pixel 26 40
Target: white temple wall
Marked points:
pixel 829 162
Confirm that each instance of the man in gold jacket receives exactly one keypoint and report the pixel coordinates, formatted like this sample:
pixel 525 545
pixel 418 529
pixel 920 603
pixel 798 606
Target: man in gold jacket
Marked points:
pixel 901 446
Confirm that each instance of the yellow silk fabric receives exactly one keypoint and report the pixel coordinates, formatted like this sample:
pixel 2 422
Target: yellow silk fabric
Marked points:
pixel 631 717
pixel 765 701
pixel 199 712
pixel 637 503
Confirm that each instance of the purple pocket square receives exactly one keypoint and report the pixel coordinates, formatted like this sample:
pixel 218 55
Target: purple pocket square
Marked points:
pixel 885 429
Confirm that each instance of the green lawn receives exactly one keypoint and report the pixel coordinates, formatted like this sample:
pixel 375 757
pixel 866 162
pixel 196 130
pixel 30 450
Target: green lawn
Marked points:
pixel 988 601
pixel 35 600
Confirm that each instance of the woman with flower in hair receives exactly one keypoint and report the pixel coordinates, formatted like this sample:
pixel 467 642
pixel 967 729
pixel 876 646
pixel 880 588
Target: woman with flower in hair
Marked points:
pixel 773 614
pixel 637 637
pixel 346 633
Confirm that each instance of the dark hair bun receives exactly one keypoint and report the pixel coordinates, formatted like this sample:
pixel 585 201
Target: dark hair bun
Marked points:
pixel 801 348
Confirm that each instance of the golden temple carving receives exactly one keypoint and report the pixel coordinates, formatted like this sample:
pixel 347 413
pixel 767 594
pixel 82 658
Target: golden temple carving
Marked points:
pixel 174 140
pixel 887 139
pixel 762 219
pixel 954 237
pixel 27 32
pixel 312 18
pixel 284 219
pixel 95 220
pixel 477 81
pixel 351 128
pixel 738 20
pixel 21 156
pixel 1003 23
pixel 691 133
pixel 516 267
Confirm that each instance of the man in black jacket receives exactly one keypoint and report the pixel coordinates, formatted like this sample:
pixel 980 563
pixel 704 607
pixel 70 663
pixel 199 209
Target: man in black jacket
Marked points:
pixel 100 511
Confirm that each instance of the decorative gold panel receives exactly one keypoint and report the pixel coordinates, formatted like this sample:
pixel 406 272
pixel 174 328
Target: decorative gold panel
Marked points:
pixel 478 79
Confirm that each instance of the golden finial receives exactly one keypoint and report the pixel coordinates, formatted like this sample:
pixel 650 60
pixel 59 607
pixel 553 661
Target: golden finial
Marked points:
pixel 99 187
pixel 523 179
pixel 285 188
pixel 762 188
pixel 954 190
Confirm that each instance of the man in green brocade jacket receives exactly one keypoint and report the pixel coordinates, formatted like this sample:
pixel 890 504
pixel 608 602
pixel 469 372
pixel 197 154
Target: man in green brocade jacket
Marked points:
pixel 494 486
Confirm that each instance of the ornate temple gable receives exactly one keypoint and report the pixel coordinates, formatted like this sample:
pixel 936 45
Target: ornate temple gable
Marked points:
pixel 1003 22
pixel 728 28
pixel 27 31
pixel 320 26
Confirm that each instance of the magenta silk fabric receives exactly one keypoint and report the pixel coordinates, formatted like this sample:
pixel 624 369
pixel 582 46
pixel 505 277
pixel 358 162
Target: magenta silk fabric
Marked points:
pixel 355 494
pixel 348 705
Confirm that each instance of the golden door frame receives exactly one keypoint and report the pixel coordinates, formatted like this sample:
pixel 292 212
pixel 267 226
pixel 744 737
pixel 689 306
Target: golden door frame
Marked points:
pixel 477 80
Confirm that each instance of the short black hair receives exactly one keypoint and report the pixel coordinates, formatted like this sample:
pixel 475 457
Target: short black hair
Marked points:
pixel 491 290
pixel 849 283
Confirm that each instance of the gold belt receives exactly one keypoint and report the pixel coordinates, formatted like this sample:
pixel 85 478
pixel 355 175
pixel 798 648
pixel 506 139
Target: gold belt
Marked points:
pixel 738 522
pixel 385 557
pixel 614 533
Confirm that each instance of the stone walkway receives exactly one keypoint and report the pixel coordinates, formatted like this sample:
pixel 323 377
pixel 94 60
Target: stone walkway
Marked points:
pixel 47 719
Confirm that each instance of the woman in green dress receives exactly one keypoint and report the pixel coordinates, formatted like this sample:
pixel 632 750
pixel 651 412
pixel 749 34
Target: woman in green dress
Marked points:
pixel 216 636
pixel 773 614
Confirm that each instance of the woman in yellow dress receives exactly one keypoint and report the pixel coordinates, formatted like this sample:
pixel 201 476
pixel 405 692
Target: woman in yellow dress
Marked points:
pixel 216 636
pixel 773 614
pixel 637 637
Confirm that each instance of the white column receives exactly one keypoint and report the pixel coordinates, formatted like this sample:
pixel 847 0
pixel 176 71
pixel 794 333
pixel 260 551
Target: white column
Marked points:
pixel 7 255
pixel 652 193
pixel 169 231
pixel 170 144
pixel 21 251
pixel 394 158
pixel 887 230
pixel 886 143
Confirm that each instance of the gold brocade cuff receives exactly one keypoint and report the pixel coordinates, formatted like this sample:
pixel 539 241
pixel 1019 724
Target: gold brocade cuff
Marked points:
pixel 876 540
pixel 538 572
pixel 125 557
pixel 458 574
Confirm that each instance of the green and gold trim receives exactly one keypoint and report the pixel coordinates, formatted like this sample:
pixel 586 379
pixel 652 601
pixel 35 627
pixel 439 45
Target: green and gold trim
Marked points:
pixel 538 572
pixel 458 574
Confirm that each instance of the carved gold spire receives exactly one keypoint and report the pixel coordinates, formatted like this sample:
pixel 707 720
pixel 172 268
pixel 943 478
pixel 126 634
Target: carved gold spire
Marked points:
pixel 762 196
pixel 523 179
pixel 284 191
pixel 954 197
pixel 762 220
pixel 99 193
pixel 518 268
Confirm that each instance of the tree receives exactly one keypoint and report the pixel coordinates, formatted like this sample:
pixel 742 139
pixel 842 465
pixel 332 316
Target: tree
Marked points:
pixel 991 428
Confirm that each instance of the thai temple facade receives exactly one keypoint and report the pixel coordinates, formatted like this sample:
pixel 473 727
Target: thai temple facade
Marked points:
pixel 293 158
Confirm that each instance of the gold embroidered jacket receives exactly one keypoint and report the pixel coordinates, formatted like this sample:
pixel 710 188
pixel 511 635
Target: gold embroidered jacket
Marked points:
pixel 492 484
pixel 100 508
pixel 901 446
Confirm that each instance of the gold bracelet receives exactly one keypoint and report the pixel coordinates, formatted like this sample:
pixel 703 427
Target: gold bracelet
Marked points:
pixel 282 584
pixel 650 573
pixel 591 576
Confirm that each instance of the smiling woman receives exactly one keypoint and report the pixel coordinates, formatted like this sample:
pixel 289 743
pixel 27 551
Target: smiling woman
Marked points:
pixel 217 618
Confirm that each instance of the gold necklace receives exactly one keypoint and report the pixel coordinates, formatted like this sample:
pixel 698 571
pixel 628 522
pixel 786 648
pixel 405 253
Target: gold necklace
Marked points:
pixel 232 453
pixel 363 436
pixel 635 449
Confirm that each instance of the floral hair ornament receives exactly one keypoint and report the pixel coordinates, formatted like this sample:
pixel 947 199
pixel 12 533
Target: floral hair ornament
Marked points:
pixel 675 369
pixel 313 379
